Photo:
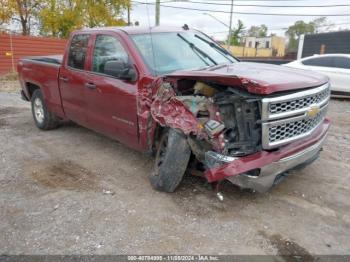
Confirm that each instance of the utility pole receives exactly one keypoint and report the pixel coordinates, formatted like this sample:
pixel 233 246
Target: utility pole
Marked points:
pixel 129 23
pixel 12 54
pixel 157 12
pixel 230 30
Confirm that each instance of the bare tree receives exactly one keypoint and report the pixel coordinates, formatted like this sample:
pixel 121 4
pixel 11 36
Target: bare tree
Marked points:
pixel 25 12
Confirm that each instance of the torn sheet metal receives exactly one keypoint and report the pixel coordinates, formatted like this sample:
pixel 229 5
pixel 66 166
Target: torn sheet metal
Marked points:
pixel 146 123
pixel 169 110
pixel 190 114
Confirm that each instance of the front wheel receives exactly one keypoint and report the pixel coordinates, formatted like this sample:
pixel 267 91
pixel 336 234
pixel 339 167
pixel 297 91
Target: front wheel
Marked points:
pixel 171 161
pixel 43 118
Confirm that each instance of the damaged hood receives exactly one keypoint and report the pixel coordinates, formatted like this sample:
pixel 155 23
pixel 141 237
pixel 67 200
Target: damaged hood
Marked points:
pixel 256 78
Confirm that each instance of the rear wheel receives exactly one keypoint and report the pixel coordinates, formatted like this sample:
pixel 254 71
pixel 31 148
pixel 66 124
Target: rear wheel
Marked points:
pixel 43 119
pixel 171 161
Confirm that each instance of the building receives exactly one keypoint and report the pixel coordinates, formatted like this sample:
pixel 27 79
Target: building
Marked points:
pixel 271 46
pixel 324 43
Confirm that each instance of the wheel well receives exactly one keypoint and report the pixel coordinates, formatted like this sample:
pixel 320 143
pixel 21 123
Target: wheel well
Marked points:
pixel 158 133
pixel 31 88
pixel 156 137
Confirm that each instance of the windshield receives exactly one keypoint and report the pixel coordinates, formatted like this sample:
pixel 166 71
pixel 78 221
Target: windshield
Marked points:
pixel 179 51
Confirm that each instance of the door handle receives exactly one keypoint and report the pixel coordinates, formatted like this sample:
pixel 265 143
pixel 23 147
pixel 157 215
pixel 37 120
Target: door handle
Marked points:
pixel 64 79
pixel 90 85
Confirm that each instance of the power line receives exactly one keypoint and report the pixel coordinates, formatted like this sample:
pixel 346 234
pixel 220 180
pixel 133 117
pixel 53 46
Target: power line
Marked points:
pixel 169 1
pixel 282 28
pixel 254 5
pixel 256 0
pixel 235 12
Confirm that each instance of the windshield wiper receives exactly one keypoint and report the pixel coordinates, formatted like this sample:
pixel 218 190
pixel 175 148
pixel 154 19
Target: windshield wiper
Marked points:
pixel 217 47
pixel 197 50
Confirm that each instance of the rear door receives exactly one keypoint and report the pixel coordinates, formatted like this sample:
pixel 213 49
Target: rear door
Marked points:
pixel 111 101
pixel 324 65
pixel 342 65
pixel 72 79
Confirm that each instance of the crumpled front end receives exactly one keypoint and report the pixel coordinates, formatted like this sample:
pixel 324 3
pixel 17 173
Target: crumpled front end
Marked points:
pixel 213 118
pixel 239 136
pixel 264 169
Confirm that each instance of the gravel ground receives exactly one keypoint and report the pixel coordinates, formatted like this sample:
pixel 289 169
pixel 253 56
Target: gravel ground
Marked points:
pixel 73 191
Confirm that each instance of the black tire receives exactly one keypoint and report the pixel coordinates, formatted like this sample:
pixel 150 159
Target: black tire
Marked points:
pixel 44 120
pixel 171 161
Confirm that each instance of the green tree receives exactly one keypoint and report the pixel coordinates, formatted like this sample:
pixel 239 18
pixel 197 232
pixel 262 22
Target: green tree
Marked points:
pixel 300 27
pixel 105 12
pixel 6 11
pixel 60 17
pixel 296 30
pixel 257 31
pixel 321 23
pixel 237 33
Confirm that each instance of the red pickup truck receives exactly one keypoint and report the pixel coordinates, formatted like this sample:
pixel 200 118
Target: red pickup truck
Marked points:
pixel 178 94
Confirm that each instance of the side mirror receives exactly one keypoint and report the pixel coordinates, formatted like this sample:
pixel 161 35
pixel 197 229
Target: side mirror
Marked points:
pixel 120 69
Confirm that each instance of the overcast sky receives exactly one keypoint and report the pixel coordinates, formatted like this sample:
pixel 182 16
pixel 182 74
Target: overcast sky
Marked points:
pixel 276 24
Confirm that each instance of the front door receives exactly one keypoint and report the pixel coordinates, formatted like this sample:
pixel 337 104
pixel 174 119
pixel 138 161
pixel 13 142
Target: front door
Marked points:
pixel 111 101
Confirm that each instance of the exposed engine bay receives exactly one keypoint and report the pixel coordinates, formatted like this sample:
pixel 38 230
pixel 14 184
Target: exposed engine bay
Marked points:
pixel 215 118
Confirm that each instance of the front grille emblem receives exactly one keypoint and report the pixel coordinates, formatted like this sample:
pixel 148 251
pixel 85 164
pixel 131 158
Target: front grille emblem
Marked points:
pixel 313 111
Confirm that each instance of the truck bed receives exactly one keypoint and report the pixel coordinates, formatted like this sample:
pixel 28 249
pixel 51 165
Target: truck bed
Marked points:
pixel 53 59
pixel 43 72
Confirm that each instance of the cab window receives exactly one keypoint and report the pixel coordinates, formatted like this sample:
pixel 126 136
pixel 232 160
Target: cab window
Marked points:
pixel 107 48
pixel 78 50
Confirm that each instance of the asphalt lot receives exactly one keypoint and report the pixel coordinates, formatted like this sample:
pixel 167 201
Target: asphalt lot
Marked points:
pixel 73 191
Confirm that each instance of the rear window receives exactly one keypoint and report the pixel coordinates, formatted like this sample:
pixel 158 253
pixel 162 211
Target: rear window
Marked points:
pixel 77 51
pixel 319 61
pixel 342 62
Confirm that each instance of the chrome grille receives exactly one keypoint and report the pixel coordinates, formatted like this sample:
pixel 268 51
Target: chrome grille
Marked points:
pixel 291 105
pixel 281 132
pixel 290 117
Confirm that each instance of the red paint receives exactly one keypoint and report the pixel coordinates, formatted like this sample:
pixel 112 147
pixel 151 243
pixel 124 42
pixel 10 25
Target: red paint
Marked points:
pixel 130 111
pixel 257 78
pixel 167 110
pixel 260 159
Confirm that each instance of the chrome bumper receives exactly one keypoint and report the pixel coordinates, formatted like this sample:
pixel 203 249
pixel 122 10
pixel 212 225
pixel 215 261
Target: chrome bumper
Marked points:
pixel 269 173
